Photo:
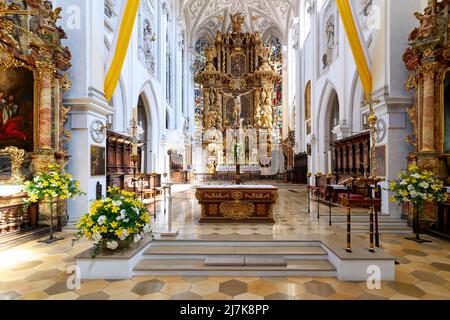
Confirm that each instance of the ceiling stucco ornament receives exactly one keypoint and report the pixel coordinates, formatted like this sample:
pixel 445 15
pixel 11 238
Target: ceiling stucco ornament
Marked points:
pixel 208 16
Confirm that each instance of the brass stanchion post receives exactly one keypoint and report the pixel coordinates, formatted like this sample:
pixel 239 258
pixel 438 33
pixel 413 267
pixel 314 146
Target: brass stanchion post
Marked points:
pixel 371 211
pixel 308 193
pixel 154 176
pixel 349 229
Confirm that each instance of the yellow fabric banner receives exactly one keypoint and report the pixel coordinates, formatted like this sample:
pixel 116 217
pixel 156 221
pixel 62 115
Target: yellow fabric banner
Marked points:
pixel 120 46
pixel 356 44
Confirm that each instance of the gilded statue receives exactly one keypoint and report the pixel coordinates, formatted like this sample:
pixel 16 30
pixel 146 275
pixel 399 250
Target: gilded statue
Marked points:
pixel 218 37
pixel 6 30
pixel 55 14
pixel 211 119
pixel 427 23
pixel 266 112
pixel 210 54
pixel 219 117
pixel 265 54
pixel 237 20
pixel 257 108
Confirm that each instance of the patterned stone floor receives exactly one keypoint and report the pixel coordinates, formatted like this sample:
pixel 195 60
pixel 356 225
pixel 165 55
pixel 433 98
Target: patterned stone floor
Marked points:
pixel 38 271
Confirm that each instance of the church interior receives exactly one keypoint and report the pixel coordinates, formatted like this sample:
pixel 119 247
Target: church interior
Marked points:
pixel 224 150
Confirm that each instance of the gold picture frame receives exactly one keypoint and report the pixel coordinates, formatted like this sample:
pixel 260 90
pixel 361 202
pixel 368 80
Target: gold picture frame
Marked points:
pixel 17 157
pixel 442 78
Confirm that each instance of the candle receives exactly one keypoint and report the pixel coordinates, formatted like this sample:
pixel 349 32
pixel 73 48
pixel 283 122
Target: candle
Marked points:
pixel 142 161
pixel 134 122
pixel 134 148
pixel 166 164
pixel 329 162
pixel 154 162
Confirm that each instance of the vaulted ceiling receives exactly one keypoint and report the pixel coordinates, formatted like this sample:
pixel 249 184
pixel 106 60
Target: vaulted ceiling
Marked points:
pixel 204 17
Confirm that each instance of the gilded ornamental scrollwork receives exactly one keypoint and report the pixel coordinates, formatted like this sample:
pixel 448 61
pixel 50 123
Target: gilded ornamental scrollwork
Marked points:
pixel 237 210
pixel 17 158
pixel 237 204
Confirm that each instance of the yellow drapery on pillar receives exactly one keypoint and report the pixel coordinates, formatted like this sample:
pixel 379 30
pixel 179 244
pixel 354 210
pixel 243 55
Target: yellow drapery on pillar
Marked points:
pixel 120 46
pixel 357 45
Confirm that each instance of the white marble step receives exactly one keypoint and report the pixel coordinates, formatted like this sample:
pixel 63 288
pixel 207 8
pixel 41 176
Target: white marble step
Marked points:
pixel 382 229
pixel 197 267
pixel 234 250
pixel 249 261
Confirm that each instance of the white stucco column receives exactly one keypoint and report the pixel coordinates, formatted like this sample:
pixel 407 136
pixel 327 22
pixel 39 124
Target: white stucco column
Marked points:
pixel 83 20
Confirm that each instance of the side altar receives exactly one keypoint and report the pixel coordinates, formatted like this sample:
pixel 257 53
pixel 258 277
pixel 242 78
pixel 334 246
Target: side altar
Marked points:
pixel 237 203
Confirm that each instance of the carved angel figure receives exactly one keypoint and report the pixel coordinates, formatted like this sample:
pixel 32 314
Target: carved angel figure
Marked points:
pixel 237 20
pixel 6 29
pixel 427 23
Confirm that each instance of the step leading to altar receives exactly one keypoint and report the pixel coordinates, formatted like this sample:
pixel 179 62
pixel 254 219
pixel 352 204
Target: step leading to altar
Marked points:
pixel 240 256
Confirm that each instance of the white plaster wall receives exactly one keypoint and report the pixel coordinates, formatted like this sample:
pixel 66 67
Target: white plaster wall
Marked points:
pixel 387 45
pixel 90 44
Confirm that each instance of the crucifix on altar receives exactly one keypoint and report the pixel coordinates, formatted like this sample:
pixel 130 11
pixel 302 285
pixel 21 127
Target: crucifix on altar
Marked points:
pixel 237 126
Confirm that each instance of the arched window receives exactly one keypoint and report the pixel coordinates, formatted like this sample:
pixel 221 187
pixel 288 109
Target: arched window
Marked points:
pixel 167 120
pixel 168 61
pixel 308 107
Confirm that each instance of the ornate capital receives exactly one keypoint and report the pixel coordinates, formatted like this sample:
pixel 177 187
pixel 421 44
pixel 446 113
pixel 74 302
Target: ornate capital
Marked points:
pixel 428 70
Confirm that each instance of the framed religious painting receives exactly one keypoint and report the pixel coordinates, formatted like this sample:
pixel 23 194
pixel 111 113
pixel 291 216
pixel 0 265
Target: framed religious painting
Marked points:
pixel 17 109
pixel 381 161
pixel 238 66
pixel 445 114
pixel 98 161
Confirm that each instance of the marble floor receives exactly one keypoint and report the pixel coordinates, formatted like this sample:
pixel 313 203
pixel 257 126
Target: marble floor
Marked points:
pixel 38 271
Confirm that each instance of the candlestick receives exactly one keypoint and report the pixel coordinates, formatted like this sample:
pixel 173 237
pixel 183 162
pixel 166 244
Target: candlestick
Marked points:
pixel 329 162
pixel 134 122
pixel 135 149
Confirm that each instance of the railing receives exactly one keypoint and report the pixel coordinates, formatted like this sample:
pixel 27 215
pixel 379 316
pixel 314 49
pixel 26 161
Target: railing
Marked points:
pixel 231 176
pixel 14 218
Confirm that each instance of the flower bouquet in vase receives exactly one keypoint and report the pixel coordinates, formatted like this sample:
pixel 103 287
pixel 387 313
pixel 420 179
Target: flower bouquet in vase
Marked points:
pixel 49 187
pixel 115 222
pixel 418 188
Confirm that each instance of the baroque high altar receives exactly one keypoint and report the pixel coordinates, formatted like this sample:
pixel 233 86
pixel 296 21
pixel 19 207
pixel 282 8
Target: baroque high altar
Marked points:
pixel 238 86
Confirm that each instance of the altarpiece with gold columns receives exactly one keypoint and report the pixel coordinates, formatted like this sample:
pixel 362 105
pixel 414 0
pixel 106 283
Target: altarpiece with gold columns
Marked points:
pixel 33 79
pixel 428 62
pixel 238 87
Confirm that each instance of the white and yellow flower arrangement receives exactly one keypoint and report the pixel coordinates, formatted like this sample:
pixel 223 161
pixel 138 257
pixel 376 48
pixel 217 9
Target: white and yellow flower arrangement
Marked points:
pixel 50 186
pixel 417 187
pixel 115 222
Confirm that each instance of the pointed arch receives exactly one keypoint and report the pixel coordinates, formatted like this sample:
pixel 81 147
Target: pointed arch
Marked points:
pixel 328 100
pixel 151 107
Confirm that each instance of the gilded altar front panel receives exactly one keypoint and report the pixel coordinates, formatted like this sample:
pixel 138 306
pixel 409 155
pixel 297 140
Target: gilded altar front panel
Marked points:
pixel 237 204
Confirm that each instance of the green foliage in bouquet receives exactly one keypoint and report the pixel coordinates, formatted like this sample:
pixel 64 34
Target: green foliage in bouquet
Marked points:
pixel 115 222
pixel 417 187
pixel 50 186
